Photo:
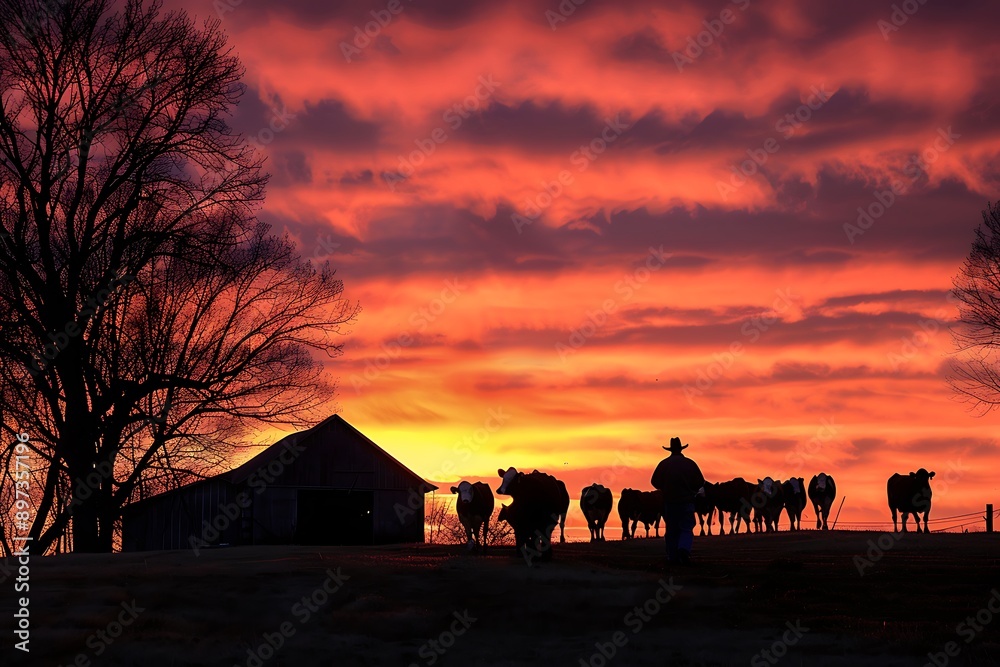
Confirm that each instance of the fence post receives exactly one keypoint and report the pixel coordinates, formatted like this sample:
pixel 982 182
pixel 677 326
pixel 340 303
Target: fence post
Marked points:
pixel 989 517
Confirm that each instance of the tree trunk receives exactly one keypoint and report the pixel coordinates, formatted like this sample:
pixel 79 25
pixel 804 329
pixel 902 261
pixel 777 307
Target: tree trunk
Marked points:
pixel 85 513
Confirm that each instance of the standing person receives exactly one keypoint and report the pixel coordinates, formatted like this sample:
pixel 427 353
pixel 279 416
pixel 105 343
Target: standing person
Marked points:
pixel 679 478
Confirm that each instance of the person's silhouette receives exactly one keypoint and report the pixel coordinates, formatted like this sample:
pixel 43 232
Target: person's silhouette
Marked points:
pixel 680 479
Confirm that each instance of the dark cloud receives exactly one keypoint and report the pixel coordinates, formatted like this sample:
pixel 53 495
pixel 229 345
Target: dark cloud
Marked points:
pixel 364 177
pixel 932 225
pixel 536 128
pixel 327 124
pixel 440 14
pixel 289 168
pixel 897 297
pixel 267 121
pixel 643 45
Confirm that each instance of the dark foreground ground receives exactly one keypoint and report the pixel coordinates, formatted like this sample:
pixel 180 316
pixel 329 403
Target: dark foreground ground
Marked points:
pixel 740 600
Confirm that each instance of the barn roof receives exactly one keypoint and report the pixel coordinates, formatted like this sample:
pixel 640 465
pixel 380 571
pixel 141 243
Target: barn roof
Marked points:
pixel 261 460
pixel 244 471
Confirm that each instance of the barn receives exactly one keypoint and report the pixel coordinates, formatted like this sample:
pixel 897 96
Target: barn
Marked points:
pixel 327 485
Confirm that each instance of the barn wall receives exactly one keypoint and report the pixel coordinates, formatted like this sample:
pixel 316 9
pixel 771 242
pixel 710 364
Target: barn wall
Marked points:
pixel 274 515
pixel 404 525
pixel 170 520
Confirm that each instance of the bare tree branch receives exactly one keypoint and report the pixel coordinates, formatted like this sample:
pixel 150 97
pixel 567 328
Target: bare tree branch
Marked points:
pixel 148 320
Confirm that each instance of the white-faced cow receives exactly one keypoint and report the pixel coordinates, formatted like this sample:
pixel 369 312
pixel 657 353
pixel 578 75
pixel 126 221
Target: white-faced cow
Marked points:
pixel 768 501
pixel 910 494
pixel 595 502
pixel 794 492
pixel 704 507
pixel 475 507
pixel 822 491
pixel 540 502
pixel 732 497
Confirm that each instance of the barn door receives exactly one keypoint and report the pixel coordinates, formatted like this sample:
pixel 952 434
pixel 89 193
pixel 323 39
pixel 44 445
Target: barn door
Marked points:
pixel 333 517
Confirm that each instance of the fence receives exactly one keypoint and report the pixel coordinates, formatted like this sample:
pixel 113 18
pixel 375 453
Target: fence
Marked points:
pixel 981 518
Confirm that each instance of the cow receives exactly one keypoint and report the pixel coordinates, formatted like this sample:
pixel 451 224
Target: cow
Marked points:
pixel 510 514
pixel 650 510
pixel 767 503
pixel 794 492
pixel 475 507
pixel 540 501
pixel 910 495
pixel 732 497
pixel 703 506
pixel 532 531
pixel 635 506
pixel 822 491
pixel 595 502
pixel 628 509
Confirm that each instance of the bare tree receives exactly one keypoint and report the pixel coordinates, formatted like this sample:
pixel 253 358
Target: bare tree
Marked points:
pixel 444 526
pixel 974 373
pixel 438 530
pixel 148 320
pixel 499 533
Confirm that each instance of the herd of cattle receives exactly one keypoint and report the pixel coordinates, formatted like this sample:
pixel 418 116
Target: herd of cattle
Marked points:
pixel 540 502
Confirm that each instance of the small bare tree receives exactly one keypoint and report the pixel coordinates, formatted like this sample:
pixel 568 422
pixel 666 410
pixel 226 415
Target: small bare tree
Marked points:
pixel 975 375
pixel 500 533
pixel 444 526
pixel 436 516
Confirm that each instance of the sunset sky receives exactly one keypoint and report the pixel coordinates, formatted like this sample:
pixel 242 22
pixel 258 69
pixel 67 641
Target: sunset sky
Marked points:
pixel 577 230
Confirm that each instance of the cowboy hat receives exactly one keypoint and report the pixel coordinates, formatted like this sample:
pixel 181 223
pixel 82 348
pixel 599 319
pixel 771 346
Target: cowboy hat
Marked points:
pixel 675 445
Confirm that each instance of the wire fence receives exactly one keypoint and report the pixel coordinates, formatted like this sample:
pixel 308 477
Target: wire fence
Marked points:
pixel 980 519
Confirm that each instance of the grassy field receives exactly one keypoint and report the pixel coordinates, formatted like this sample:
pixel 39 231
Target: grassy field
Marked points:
pixel 436 605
